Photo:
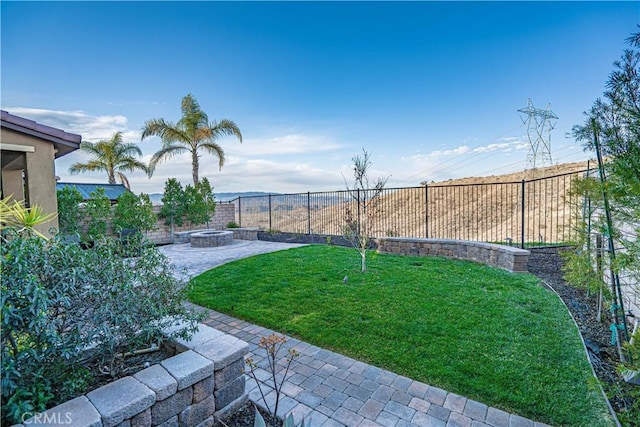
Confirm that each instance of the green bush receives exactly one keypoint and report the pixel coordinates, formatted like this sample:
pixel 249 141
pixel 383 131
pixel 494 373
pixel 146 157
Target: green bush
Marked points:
pixel 133 212
pixel 233 224
pixel 63 306
pixel 98 211
pixel 200 202
pixel 69 199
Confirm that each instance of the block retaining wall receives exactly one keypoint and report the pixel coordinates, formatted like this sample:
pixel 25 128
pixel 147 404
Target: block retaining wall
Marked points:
pixel 205 381
pixel 506 257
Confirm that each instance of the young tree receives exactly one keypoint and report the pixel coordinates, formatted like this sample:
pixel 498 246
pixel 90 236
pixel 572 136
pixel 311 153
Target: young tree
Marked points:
pixel 192 134
pixel 173 205
pixel 133 212
pixel 208 199
pixel 361 214
pixel 200 203
pixel 111 156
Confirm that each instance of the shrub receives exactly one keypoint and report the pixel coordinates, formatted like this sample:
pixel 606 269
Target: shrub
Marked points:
pixel 98 211
pixel 233 224
pixel 200 202
pixel 69 199
pixel 134 212
pixel 63 306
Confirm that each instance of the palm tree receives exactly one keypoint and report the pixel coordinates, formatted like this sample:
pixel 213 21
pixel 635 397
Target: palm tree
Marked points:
pixel 111 156
pixel 192 133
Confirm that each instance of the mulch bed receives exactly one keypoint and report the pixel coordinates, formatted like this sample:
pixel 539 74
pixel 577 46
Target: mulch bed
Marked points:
pixel 546 263
pixel 245 417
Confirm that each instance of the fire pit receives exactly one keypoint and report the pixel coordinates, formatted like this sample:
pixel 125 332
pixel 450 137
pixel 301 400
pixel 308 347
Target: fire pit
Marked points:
pixel 211 238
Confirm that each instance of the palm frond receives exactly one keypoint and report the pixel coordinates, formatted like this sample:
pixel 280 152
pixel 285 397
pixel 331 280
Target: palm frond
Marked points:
pixel 129 150
pixel 215 149
pixel 90 166
pixel 164 154
pixel 157 127
pixel 90 148
pixel 130 164
pixel 225 127
pixel 123 180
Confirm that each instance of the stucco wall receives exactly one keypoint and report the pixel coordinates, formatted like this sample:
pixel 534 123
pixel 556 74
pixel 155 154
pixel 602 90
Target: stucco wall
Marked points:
pixel 41 183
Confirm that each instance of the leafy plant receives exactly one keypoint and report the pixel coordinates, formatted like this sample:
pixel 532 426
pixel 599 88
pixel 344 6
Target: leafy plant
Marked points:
pixel 232 224
pixel 614 121
pixel 173 204
pixel 63 306
pixel 14 214
pixel 132 298
pixel 631 414
pixel 98 212
pixel 134 212
pixel 69 199
pixel 272 345
pixel 288 421
pixel 200 202
pixel 32 345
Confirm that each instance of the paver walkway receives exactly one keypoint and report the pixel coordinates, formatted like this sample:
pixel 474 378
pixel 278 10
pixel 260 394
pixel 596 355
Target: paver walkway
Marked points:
pixel 329 389
pixel 193 261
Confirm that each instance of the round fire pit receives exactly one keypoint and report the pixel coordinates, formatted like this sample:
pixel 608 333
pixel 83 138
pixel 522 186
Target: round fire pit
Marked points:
pixel 211 238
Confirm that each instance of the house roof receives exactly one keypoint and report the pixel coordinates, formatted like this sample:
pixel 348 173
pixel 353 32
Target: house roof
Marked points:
pixel 112 191
pixel 64 142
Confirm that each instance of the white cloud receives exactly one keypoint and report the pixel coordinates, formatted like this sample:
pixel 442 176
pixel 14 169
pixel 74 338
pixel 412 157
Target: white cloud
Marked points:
pixel 280 145
pixel 505 145
pixel 90 127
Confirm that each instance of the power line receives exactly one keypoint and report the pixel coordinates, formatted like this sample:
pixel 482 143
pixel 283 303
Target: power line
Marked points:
pixel 472 153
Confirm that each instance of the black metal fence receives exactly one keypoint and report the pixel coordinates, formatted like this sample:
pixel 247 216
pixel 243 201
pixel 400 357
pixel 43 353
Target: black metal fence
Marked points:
pixel 537 211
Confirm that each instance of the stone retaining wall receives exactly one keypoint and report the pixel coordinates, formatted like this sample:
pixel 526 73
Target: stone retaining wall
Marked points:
pixel 506 257
pixel 245 233
pixel 205 381
pixel 286 237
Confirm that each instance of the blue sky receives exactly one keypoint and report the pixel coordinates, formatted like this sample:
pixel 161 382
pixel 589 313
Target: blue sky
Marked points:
pixel 431 89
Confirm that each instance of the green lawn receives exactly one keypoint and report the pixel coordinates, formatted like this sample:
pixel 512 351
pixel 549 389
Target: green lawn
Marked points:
pixel 484 333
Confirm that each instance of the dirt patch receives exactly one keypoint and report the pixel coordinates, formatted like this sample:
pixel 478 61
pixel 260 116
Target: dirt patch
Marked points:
pixel 126 366
pixel 245 417
pixel 546 263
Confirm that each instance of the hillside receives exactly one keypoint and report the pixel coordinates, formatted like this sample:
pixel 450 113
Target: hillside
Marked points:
pixel 559 169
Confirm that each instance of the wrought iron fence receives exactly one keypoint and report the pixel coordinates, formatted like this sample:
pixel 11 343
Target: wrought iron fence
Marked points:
pixel 537 211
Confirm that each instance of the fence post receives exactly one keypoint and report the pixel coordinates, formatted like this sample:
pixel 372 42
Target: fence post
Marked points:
pixel 240 211
pixel 309 212
pixel 270 227
pixel 426 211
pixel 522 213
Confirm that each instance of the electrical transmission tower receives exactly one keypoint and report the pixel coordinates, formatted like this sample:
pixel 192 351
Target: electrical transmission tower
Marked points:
pixel 540 123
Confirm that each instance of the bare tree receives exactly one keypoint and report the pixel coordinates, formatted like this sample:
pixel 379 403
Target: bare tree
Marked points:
pixel 361 214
